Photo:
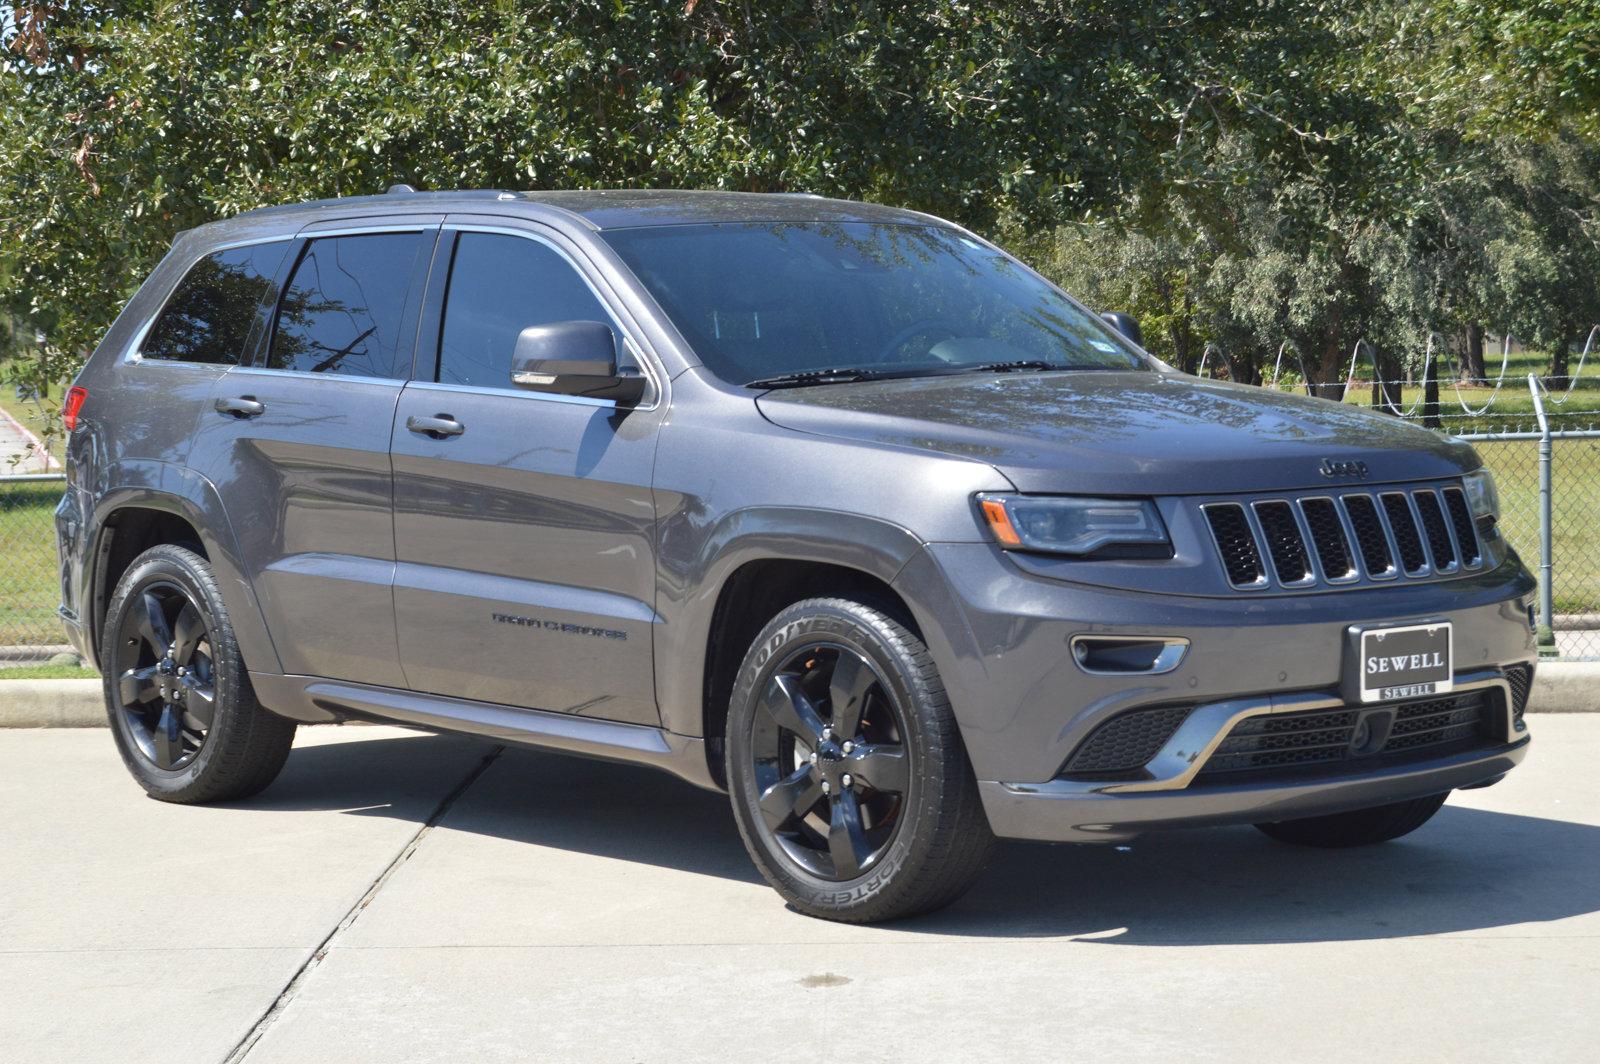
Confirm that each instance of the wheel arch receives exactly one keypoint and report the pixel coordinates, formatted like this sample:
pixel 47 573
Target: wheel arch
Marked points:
pixel 751 565
pixel 183 508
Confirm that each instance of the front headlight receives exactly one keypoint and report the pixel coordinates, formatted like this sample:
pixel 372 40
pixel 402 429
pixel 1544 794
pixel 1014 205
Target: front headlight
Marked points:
pixel 1069 525
pixel 1483 498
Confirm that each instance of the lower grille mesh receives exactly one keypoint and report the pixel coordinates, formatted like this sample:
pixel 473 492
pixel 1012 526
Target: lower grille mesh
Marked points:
pixel 1520 677
pixel 1122 745
pixel 1330 738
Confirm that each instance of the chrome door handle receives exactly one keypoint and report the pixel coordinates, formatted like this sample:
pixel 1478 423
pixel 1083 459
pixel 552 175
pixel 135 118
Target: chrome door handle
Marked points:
pixel 242 407
pixel 438 427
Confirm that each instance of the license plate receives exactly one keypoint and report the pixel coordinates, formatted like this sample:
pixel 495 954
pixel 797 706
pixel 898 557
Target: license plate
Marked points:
pixel 1413 661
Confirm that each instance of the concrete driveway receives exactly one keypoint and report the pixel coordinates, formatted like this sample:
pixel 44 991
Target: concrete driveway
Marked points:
pixel 401 897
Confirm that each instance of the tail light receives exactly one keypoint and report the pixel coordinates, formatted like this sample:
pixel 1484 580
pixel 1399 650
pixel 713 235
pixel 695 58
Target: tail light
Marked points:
pixel 73 404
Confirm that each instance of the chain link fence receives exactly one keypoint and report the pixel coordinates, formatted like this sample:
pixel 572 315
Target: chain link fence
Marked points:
pixel 1513 446
pixel 30 585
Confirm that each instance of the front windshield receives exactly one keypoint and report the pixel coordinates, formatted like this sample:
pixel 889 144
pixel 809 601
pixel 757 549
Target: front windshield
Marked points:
pixel 765 300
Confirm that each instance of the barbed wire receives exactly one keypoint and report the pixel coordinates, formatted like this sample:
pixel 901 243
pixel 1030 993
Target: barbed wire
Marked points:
pixel 1384 385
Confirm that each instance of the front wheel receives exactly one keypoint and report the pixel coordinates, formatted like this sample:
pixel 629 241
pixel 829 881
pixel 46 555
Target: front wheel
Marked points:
pixel 849 781
pixel 1360 827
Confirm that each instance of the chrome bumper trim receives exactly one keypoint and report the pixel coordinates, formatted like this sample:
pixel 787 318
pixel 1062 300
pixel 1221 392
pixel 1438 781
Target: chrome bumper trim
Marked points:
pixel 1191 746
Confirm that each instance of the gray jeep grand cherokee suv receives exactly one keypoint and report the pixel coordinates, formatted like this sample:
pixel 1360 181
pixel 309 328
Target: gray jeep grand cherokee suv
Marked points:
pixel 835 507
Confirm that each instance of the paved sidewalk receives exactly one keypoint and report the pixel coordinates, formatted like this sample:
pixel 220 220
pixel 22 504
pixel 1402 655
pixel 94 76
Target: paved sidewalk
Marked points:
pixel 400 897
pixel 20 449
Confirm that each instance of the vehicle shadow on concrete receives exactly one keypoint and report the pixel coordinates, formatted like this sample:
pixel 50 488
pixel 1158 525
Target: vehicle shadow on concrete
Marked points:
pixel 1467 870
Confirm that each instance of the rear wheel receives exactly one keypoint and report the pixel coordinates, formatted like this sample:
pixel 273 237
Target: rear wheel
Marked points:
pixel 1360 827
pixel 849 781
pixel 182 710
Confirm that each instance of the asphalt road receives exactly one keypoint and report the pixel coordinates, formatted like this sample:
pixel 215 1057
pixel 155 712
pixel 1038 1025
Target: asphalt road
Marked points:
pixel 399 897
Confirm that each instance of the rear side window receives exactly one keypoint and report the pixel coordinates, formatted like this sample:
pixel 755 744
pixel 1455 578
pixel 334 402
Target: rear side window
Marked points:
pixel 209 316
pixel 500 285
pixel 345 310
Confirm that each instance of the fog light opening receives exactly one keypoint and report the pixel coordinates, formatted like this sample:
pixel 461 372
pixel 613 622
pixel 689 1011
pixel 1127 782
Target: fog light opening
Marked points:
pixel 1123 656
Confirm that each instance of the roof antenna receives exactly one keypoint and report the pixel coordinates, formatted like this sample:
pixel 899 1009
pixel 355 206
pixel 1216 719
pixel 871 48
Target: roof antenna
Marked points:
pixel 396 190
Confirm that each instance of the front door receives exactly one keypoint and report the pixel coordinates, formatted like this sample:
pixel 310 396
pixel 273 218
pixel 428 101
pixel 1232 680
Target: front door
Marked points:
pixel 526 574
pixel 298 447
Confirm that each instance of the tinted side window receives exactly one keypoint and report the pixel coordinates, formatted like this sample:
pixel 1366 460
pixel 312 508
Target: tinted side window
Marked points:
pixel 500 285
pixel 344 310
pixel 209 316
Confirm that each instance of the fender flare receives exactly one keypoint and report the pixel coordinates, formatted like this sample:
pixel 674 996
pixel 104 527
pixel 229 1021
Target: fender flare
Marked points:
pixel 181 491
pixel 691 584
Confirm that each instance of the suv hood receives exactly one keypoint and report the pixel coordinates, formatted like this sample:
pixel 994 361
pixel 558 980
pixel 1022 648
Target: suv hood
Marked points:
pixel 1124 433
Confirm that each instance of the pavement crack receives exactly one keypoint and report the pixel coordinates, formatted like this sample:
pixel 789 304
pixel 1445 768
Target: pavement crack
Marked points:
pixel 243 1047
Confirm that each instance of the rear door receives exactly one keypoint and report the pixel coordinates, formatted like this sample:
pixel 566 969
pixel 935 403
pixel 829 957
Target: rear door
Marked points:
pixel 526 571
pixel 298 445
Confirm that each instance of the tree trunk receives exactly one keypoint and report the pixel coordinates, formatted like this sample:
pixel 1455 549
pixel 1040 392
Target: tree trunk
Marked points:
pixel 1472 353
pixel 1241 368
pixel 1327 368
pixel 1183 335
pixel 1557 380
pixel 1386 393
pixel 1430 395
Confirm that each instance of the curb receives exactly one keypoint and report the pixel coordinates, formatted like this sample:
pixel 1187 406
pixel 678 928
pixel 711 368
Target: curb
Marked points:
pixel 1565 687
pixel 1558 687
pixel 51 704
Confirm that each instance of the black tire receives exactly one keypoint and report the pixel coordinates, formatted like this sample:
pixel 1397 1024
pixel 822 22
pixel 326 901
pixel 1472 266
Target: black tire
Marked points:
pixel 1360 827
pixel 179 744
pixel 919 821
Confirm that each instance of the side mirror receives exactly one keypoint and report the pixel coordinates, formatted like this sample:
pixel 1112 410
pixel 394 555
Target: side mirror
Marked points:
pixel 1126 324
pixel 573 358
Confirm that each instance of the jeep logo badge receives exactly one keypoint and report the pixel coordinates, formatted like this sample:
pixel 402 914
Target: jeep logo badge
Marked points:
pixel 1332 467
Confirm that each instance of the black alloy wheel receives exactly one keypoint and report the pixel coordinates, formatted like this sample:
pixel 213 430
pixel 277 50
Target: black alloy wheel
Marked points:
pixel 182 709
pixel 166 676
pixel 830 761
pixel 846 771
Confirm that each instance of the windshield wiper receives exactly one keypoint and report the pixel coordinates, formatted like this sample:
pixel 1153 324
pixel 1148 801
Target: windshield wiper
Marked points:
pixel 837 375
pixel 1013 367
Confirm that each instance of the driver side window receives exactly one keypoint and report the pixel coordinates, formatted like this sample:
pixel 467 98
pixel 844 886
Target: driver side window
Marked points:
pixel 500 285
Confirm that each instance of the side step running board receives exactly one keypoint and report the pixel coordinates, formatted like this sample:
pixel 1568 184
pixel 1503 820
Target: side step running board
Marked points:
pixel 683 756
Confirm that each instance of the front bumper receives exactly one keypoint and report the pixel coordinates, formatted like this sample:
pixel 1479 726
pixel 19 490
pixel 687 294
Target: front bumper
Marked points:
pixel 1064 810
pixel 1002 637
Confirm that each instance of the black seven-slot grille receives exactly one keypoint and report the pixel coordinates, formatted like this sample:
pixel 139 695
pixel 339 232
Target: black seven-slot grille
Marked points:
pixel 1321 739
pixel 1334 539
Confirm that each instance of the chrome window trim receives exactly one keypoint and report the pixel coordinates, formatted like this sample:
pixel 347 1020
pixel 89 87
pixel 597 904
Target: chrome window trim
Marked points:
pixel 625 325
pixel 276 374
pixel 517 393
pixel 308 233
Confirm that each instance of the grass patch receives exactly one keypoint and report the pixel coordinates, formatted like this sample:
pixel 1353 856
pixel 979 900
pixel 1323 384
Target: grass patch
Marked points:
pixel 48 672
pixel 30 587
